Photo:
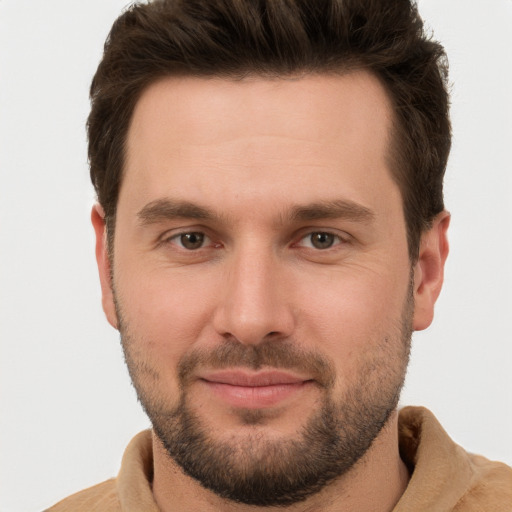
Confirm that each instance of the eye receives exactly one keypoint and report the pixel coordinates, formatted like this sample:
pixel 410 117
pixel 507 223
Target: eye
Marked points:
pixel 320 240
pixel 190 241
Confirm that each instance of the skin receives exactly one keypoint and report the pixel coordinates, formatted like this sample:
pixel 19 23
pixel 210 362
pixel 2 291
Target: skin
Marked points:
pixel 250 152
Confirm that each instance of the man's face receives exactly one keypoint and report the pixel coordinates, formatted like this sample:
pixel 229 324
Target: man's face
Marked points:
pixel 261 277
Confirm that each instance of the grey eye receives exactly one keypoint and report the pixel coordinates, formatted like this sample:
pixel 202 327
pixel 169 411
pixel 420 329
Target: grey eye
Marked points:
pixel 322 240
pixel 192 241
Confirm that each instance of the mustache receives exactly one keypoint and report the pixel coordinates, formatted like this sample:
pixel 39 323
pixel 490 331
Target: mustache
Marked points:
pixel 271 353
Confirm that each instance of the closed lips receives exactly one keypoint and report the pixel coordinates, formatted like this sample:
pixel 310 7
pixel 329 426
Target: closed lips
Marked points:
pixel 245 379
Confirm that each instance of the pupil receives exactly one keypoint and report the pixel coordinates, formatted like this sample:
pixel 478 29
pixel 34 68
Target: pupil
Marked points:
pixel 192 240
pixel 322 240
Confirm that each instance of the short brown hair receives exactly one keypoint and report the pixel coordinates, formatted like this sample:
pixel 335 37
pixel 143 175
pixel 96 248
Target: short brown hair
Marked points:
pixel 280 38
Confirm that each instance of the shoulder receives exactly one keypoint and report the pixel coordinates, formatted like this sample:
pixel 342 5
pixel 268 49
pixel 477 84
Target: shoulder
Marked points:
pixel 443 475
pixel 130 490
pixel 490 486
pixel 98 498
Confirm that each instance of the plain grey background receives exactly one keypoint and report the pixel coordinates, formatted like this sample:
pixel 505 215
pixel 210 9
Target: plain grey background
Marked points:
pixel 67 407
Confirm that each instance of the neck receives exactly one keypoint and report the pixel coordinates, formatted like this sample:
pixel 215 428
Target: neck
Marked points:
pixel 374 484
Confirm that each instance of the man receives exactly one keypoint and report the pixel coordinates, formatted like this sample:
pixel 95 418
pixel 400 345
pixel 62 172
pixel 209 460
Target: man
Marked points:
pixel 270 230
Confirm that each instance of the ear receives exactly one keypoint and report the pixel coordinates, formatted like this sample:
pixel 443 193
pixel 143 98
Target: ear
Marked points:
pixel 429 270
pixel 103 261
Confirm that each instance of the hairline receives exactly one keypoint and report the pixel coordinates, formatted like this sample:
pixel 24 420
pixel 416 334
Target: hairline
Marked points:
pixel 393 157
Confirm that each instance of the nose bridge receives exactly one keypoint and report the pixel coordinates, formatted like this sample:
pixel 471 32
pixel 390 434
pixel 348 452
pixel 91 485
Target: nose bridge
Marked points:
pixel 254 304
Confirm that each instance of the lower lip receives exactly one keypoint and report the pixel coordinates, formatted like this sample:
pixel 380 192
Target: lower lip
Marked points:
pixel 255 397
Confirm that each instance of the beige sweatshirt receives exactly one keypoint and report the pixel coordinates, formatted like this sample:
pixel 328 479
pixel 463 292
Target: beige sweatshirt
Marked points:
pixel 444 477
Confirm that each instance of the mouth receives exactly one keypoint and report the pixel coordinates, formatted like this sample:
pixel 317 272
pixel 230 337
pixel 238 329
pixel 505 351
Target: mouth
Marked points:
pixel 254 390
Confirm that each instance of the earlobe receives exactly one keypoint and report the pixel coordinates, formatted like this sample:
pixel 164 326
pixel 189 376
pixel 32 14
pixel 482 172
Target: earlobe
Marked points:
pixel 429 270
pixel 103 261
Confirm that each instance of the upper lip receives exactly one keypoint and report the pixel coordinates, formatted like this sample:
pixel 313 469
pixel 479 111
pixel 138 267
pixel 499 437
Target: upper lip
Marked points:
pixel 253 379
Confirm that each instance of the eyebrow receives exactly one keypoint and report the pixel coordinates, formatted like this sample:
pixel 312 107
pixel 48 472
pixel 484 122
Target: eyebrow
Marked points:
pixel 168 209
pixel 339 209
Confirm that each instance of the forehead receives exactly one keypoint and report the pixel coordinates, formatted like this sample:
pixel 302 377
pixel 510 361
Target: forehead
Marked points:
pixel 200 107
pixel 300 135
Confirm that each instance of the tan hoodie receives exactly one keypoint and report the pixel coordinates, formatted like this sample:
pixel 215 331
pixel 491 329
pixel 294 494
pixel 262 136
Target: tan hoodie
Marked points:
pixel 444 477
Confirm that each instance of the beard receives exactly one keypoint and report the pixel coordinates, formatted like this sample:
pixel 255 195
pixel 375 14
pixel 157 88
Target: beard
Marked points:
pixel 252 468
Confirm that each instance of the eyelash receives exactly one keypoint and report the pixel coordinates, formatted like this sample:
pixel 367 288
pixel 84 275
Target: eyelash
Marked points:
pixel 177 239
pixel 336 240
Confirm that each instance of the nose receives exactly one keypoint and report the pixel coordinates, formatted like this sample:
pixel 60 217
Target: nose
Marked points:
pixel 254 303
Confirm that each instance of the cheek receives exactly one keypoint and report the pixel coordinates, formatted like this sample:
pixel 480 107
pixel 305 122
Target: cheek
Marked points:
pixel 351 316
pixel 166 313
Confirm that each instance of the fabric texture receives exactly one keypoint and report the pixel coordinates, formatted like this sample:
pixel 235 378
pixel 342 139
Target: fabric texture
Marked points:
pixel 444 477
